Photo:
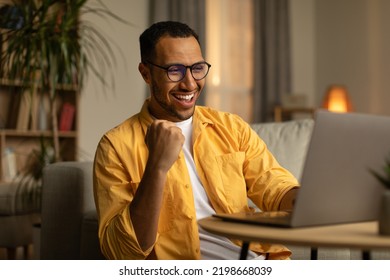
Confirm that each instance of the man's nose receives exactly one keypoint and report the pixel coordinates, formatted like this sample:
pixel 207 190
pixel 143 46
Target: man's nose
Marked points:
pixel 189 81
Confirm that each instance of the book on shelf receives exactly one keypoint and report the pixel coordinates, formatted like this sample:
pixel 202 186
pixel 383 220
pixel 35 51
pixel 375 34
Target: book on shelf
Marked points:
pixel 3 47
pixel 67 116
pixel 34 115
pixel 13 109
pixel 5 103
pixel 24 111
pixel 43 112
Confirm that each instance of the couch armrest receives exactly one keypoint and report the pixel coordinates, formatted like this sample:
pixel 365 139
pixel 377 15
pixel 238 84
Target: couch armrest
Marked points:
pixel 67 195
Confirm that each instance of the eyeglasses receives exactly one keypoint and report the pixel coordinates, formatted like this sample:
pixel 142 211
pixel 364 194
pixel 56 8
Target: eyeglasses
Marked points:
pixel 177 72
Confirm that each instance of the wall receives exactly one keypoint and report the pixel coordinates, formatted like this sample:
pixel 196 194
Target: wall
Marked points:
pixel 99 111
pixel 302 19
pixel 342 42
pixel 352 39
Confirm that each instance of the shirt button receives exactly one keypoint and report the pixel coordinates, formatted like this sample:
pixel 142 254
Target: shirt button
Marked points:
pixel 187 186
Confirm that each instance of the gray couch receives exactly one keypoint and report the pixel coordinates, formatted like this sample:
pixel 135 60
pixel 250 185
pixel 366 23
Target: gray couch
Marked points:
pixel 17 216
pixel 68 215
pixel 69 223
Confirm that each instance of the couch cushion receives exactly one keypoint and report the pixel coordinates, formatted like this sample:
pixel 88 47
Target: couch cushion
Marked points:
pixel 288 142
pixel 16 199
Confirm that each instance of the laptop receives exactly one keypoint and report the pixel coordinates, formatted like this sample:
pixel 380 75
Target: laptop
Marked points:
pixel 336 184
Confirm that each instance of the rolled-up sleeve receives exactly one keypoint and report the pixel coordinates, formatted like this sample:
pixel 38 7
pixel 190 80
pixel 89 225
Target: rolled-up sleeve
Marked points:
pixel 267 181
pixel 113 194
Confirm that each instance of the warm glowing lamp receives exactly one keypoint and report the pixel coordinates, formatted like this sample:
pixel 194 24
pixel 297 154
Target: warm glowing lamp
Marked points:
pixel 337 100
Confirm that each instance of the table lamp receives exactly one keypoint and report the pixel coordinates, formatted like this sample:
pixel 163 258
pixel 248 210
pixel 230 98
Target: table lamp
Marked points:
pixel 337 99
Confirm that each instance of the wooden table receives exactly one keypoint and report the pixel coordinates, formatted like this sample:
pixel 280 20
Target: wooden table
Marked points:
pixel 363 236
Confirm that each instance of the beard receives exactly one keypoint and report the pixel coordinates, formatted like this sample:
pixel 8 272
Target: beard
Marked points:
pixel 169 109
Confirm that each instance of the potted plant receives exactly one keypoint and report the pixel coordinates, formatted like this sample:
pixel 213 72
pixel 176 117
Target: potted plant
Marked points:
pixel 384 212
pixel 47 45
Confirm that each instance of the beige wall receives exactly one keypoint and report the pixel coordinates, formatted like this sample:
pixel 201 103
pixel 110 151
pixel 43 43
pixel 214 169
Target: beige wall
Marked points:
pixel 302 19
pixel 98 111
pixel 353 48
pixel 344 42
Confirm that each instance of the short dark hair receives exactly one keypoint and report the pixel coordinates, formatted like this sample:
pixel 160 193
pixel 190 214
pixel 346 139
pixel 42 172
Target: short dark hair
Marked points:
pixel 150 36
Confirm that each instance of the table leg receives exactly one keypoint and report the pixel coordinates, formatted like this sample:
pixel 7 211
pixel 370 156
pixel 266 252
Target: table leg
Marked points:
pixel 314 253
pixel 244 250
pixel 11 253
pixel 366 255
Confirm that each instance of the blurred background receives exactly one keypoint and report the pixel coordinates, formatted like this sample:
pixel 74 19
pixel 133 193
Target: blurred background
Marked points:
pixel 331 42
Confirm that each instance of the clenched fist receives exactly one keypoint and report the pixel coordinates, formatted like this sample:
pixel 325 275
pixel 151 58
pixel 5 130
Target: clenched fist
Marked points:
pixel 164 140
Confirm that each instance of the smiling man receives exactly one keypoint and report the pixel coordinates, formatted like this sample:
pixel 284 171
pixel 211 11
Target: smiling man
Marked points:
pixel 173 163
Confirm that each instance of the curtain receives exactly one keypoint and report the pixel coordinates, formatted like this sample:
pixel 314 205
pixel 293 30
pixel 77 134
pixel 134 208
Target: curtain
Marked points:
pixel 271 57
pixel 191 12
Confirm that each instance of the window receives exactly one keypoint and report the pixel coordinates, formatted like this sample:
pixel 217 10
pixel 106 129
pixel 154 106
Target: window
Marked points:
pixel 229 49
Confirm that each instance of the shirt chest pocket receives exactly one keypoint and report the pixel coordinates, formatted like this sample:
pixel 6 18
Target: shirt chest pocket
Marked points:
pixel 230 168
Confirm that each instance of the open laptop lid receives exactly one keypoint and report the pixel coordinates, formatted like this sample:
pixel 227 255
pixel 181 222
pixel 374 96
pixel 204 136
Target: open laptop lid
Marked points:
pixel 336 185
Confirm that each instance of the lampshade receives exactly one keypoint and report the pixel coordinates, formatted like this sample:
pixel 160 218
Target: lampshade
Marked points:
pixel 337 99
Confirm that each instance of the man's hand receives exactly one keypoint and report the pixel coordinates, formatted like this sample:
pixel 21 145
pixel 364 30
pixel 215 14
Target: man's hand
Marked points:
pixel 164 140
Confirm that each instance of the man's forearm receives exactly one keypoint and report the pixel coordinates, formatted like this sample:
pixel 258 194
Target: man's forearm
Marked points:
pixel 145 208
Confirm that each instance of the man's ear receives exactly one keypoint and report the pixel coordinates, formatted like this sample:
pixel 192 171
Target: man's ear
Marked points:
pixel 145 72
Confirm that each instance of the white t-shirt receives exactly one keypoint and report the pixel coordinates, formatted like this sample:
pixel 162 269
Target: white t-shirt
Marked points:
pixel 212 247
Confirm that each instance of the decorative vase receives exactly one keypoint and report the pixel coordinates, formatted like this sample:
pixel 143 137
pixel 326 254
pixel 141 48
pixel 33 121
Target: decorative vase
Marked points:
pixel 384 214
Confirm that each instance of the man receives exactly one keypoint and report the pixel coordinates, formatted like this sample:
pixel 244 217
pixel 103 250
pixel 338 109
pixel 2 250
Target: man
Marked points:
pixel 173 163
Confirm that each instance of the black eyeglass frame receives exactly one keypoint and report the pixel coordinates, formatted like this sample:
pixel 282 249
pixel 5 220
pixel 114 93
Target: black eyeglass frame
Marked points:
pixel 166 68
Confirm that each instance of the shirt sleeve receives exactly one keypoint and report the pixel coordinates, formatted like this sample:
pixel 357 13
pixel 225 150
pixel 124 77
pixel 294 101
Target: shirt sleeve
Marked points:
pixel 267 181
pixel 113 193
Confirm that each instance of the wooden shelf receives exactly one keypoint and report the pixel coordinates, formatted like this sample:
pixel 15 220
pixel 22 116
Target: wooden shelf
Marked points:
pixel 18 83
pixel 37 133
pixel 25 119
pixel 20 143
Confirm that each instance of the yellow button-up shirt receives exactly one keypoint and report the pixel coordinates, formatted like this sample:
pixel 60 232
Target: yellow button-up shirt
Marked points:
pixel 232 162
